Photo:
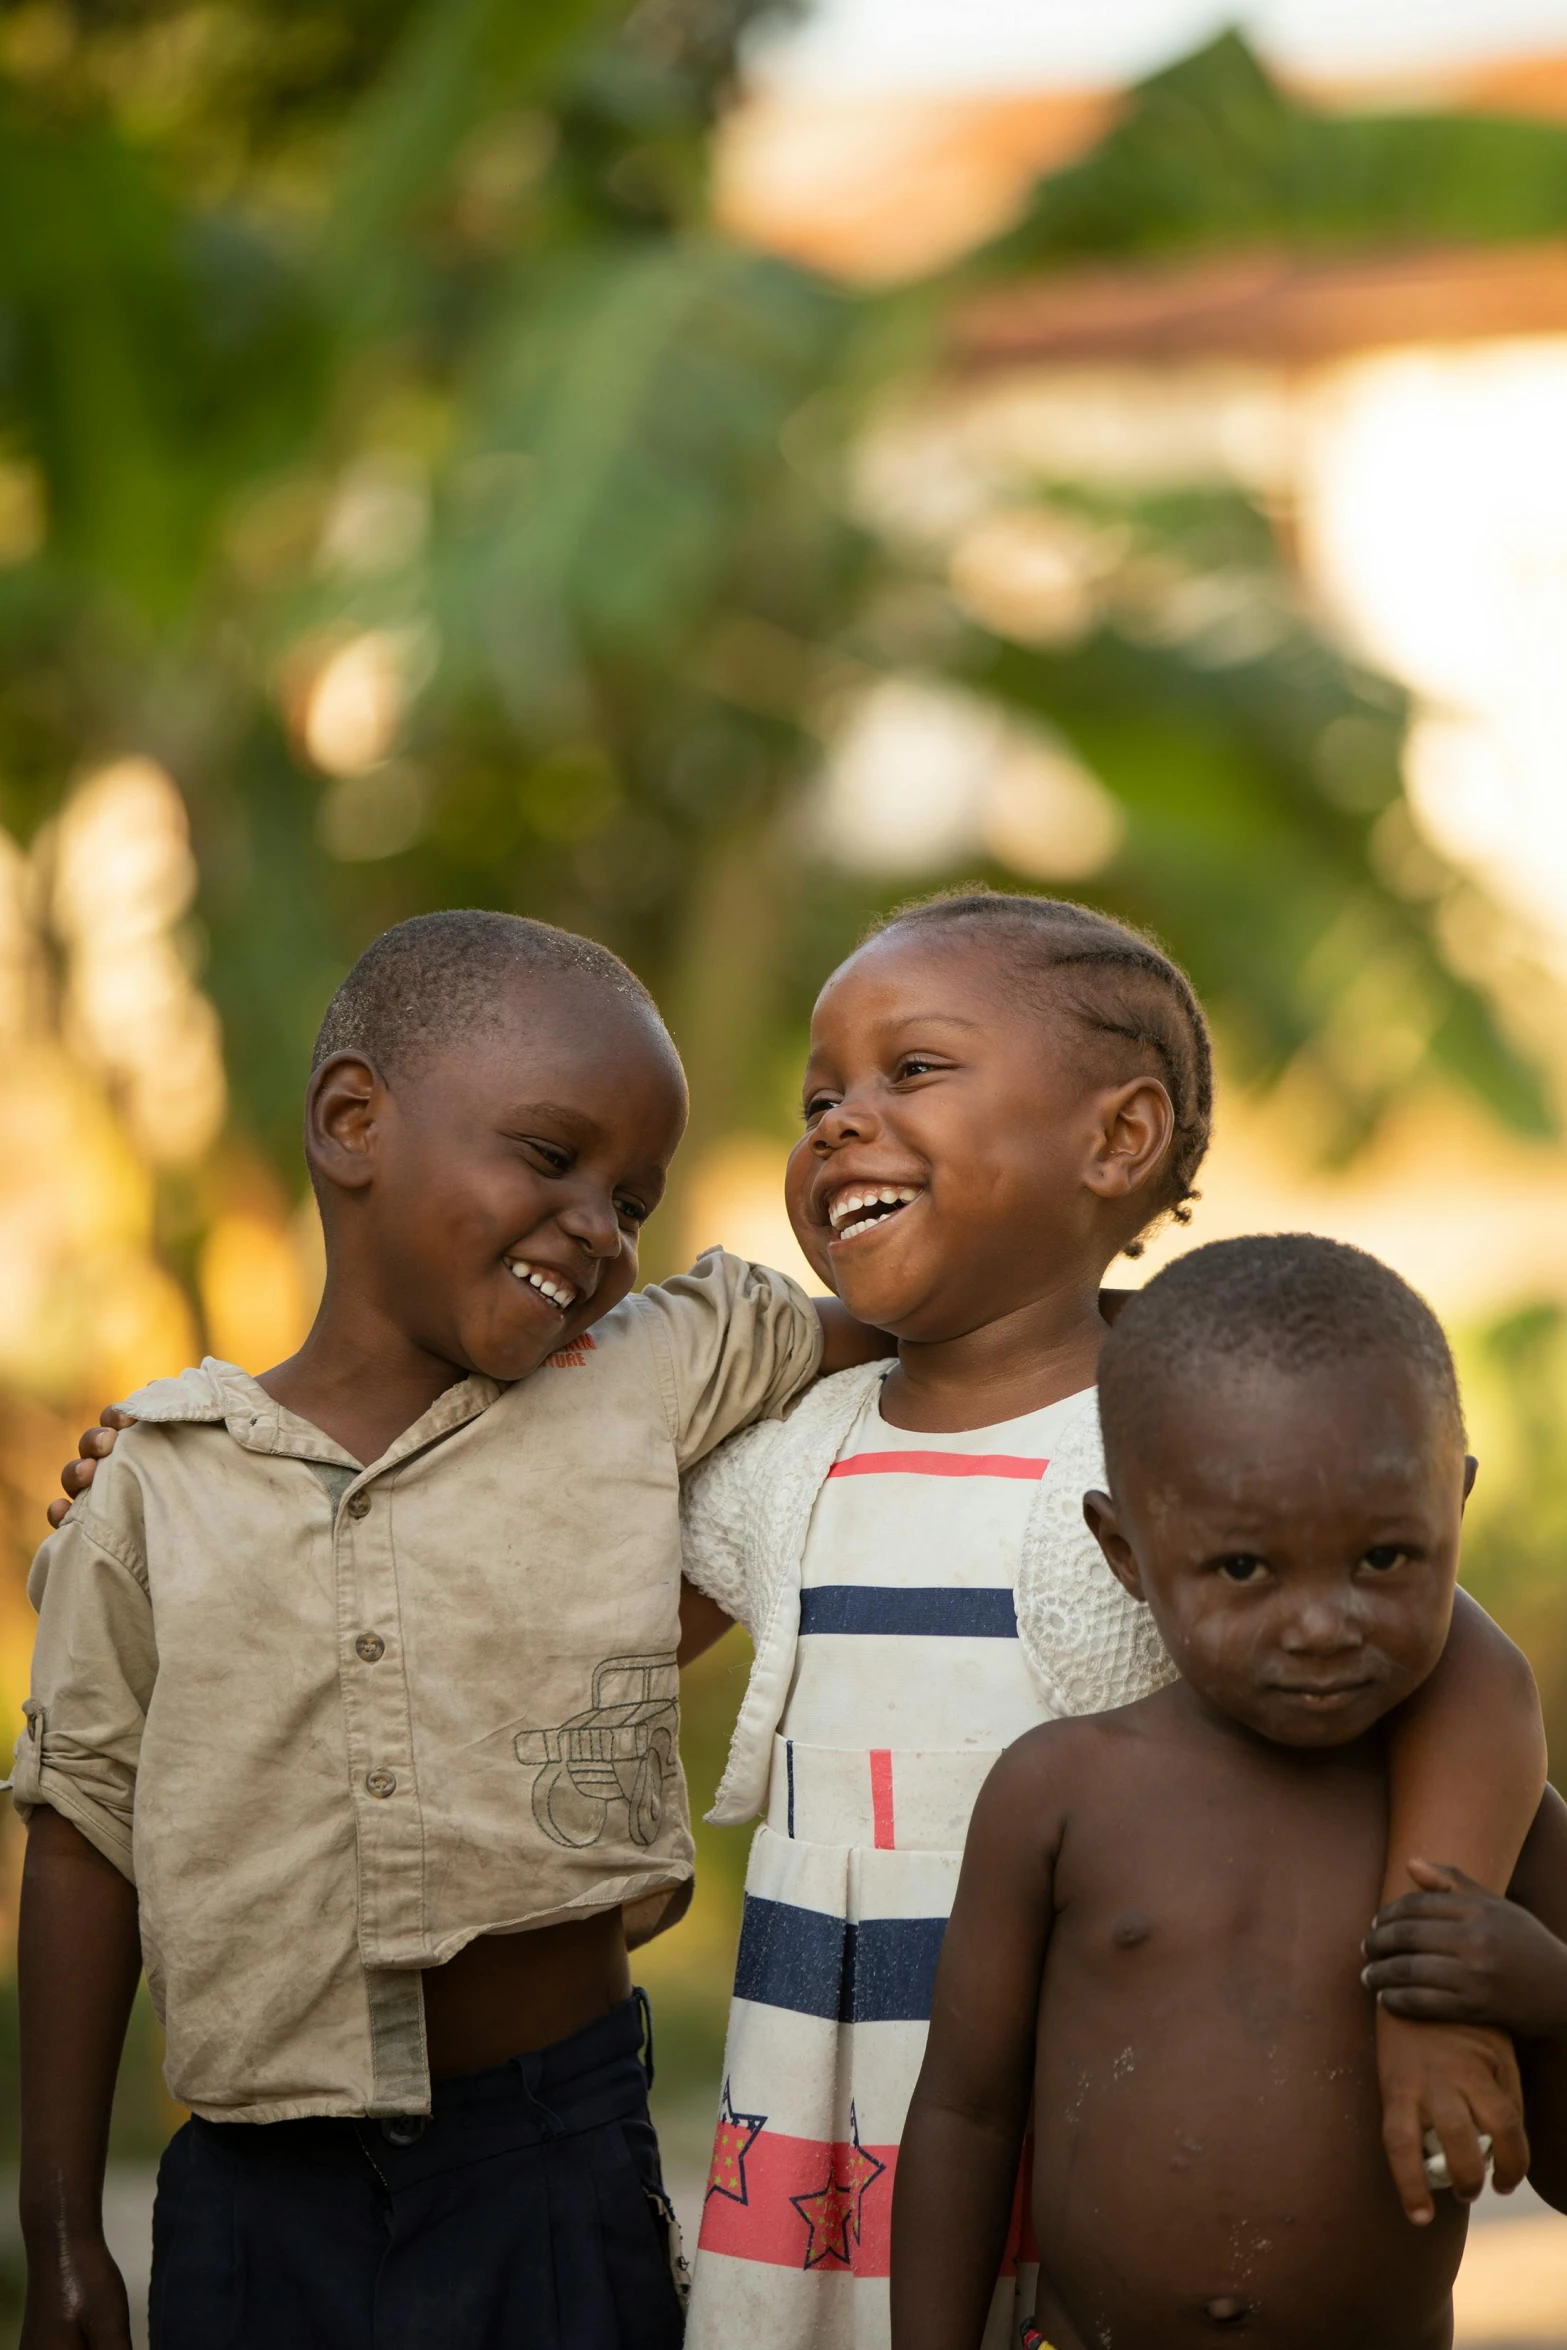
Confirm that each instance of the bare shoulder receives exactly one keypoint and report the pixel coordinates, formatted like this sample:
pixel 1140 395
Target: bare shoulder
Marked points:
pixel 1040 1779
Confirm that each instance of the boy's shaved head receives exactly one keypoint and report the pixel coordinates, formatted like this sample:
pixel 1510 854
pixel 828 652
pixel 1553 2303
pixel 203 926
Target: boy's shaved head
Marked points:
pixel 1287 1302
pixel 440 977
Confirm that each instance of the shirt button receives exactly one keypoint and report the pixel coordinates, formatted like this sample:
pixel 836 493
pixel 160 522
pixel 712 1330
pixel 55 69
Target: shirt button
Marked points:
pixel 371 1647
pixel 358 1505
pixel 381 1782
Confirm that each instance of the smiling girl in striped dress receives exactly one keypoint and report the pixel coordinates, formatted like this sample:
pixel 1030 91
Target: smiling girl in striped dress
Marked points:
pixel 1002 1094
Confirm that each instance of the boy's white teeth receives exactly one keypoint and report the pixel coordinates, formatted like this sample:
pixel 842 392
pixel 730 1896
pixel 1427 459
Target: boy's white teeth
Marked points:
pixel 854 1203
pixel 560 1293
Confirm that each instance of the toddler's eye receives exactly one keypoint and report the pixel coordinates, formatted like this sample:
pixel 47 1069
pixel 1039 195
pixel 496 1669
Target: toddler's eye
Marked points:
pixel 1383 1557
pixel 1242 1568
pixel 816 1106
pixel 916 1065
pixel 632 1210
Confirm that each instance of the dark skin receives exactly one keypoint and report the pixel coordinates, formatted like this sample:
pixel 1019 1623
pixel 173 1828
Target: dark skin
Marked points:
pixel 931 1071
pixel 1154 1947
pixel 540 1145
pixel 1455 1953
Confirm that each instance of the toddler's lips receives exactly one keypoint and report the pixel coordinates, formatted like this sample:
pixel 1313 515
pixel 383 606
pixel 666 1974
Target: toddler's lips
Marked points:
pixel 1323 1696
pixel 860 1208
pixel 553 1287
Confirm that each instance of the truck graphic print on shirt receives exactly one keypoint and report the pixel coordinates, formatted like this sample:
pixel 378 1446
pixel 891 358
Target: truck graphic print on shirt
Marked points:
pixel 620 1749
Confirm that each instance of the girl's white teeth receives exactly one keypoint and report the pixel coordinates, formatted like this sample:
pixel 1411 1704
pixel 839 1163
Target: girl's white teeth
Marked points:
pixel 852 1203
pixel 559 1293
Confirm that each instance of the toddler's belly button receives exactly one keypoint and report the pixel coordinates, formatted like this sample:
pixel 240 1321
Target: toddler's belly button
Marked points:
pixel 1226 2310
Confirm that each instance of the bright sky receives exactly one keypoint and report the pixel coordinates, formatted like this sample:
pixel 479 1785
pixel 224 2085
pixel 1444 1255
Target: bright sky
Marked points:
pixel 854 45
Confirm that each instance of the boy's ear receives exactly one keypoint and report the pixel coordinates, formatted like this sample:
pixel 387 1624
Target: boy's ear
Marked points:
pixel 340 1121
pixel 1105 1527
pixel 1471 1472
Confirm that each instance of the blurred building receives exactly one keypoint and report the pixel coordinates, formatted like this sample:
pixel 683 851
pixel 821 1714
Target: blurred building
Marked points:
pixel 1397 415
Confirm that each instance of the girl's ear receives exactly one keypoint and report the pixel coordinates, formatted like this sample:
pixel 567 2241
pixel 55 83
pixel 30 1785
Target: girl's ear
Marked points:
pixel 1136 1128
pixel 341 1110
pixel 1099 1515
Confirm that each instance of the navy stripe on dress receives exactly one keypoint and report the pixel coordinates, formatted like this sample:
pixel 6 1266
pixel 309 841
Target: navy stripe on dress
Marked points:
pixel 875 1971
pixel 909 1611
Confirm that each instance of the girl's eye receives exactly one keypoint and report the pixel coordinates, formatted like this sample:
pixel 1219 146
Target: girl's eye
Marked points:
pixel 632 1210
pixel 1243 1568
pixel 816 1106
pixel 1383 1557
pixel 916 1065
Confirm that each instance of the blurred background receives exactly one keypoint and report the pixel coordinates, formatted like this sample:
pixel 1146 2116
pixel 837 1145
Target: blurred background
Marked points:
pixel 700 472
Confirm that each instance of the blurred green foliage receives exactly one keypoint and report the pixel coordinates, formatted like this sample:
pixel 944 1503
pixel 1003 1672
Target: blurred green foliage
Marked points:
pixel 1214 154
pixel 319 319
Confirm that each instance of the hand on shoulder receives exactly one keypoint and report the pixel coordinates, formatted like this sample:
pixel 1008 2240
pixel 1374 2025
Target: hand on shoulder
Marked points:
pixel 94 1445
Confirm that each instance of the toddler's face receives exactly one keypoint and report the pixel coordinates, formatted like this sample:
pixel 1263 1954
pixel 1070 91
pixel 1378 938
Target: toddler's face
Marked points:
pixel 511 1176
pixel 1297 1540
pixel 940 1183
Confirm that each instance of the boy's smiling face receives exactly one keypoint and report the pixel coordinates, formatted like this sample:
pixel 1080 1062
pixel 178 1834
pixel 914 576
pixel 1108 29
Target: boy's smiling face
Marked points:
pixel 1296 1537
pixel 957 1164
pixel 490 1195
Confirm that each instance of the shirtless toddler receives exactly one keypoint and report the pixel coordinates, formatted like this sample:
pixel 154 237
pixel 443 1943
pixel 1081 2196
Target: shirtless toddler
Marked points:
pixel 1155 1950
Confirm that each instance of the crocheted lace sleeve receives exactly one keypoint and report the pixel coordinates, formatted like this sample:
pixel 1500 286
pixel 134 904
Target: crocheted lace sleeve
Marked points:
pixel 718 1521
pixel 1090 1645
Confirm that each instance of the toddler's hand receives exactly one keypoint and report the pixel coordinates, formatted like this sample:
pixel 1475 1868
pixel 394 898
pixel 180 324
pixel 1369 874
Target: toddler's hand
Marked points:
pixel 94 1446
pixel 1461 2081
pixel 76 2298
pixel 1456 1953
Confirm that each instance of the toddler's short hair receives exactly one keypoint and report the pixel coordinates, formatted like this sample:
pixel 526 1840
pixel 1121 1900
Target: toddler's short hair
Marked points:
pixel 1135 1007
pixel 1277 1301
pixel 437 977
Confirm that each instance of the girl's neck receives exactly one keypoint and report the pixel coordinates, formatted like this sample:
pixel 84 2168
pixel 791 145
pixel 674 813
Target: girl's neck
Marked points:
pixel 1045 1350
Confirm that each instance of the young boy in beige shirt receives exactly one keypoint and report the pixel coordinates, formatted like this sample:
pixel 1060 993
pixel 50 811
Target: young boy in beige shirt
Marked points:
pixel 354 1705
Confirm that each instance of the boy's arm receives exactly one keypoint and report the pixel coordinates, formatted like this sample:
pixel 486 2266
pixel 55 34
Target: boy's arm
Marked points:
pixel 958 2163
pixel 703 1623
pixel 1466 1758
pixel 78 1961
pixel 1455 1952
pixel 846 1342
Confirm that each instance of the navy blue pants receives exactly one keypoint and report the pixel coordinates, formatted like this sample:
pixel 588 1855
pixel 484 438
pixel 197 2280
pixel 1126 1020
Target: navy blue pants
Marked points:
pixel 527 2214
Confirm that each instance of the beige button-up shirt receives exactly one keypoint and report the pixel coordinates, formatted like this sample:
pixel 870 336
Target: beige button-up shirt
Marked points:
pixel 335 1721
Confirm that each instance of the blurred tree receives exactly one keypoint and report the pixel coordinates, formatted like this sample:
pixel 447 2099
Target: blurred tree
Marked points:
pixel 417 474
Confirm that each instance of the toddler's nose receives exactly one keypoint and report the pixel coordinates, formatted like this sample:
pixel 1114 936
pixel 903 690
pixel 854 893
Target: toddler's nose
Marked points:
pixel 1319 1628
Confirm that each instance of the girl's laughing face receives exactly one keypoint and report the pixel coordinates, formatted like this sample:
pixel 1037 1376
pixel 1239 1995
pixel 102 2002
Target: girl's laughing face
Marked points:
pixel 960 1160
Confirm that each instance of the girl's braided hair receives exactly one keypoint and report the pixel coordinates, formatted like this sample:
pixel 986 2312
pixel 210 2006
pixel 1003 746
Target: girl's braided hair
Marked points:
pixel 1118 984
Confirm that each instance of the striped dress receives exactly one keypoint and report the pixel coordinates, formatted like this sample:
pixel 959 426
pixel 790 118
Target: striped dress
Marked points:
pixel 909 1680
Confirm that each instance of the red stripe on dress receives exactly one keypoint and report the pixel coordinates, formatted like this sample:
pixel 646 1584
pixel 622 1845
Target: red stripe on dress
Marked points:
pixel 804 2203
pixel 938 1464
pixel 881 1798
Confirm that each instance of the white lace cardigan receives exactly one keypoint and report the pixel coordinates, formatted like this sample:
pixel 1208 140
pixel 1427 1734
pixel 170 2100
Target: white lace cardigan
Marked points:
pixel 746 1512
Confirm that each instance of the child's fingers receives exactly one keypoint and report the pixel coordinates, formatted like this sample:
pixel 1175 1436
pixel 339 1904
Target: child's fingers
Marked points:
pixel 1403 2139
pixel 1435 1876
pixel 1417 1908
pixel 1429 2006
pixel 1416 1938
pixel 1459 2130
pixel 1428 1970
pixel 1498 2111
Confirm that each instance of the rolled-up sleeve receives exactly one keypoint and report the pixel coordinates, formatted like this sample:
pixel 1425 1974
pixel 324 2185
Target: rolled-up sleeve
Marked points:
pixel 94 1665
pixel 737 1342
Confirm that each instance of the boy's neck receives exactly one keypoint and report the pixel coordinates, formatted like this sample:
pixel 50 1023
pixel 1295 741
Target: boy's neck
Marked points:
pixel 359 1377
pixel 1018 1363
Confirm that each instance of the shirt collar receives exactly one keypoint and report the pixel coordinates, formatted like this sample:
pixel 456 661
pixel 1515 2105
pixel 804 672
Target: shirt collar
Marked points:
pixel 221 1391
